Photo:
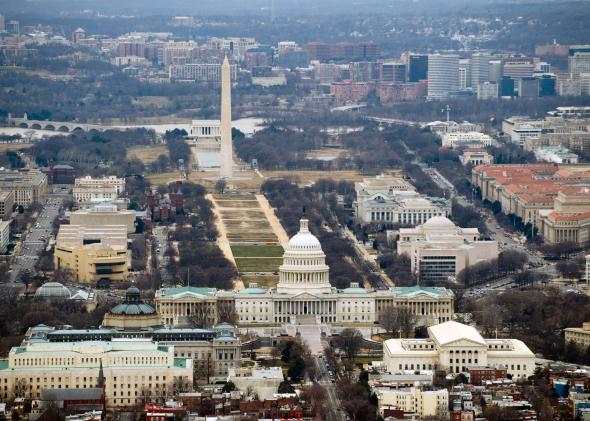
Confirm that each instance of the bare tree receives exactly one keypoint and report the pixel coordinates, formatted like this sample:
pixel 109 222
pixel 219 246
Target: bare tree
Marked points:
pixel 227 314
pixel 180 385
pixel 20 388
pixel 220 186
pixel 350 341
pixel 200 317
pixel 203 369
pixel 397 319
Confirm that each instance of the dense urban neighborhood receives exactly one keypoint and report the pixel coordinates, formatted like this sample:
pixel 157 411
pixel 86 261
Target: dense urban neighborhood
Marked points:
pixel 273 210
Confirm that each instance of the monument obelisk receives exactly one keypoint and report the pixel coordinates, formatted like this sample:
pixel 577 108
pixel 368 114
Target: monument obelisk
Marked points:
pixel 226 150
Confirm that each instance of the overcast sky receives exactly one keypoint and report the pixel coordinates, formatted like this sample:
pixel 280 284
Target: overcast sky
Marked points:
pixel 215 7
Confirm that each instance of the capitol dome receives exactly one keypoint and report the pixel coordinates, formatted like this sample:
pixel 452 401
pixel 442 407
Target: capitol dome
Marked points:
pixel 304 266
pixel 53 290
pixel 304 239
pixel 439 222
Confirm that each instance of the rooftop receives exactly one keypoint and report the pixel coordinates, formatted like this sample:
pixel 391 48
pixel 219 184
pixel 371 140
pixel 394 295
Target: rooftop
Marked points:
pixel 420 290
pixel 187 290
pixel 448 332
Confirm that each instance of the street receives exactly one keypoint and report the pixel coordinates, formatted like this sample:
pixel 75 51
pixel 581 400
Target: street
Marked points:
pixel 161 244
pixel 334 410
pixel 35 239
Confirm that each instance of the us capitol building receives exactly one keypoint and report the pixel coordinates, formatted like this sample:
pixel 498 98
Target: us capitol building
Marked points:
pixel 303 295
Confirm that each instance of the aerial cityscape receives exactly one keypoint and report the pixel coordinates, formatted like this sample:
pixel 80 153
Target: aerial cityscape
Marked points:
pixel 295 210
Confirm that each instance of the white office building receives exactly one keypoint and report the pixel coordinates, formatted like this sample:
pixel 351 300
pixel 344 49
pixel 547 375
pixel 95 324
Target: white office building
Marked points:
pixel 425 403
pixel 439 249
pixel 579 62
pixel 392 200
pixel 443 75
pixel 88 189
pixel 461 139
pixel 456 347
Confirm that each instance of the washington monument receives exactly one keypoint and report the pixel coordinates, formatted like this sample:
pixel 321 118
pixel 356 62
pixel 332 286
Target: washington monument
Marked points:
pixel 226 150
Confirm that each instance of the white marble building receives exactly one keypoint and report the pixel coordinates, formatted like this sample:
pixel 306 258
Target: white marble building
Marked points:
pixel 456 347
pixel 387 199
pixel 439 249
pixel 304 295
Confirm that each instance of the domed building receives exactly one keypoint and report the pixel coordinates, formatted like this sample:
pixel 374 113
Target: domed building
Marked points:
pixel 53 291
pixel 304 295
pixel 439 249
pixel 132 313
pixel 304 265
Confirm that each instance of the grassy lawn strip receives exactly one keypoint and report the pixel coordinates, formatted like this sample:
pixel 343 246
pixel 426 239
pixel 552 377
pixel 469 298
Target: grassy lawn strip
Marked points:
pixel 253 264
pixel 257 251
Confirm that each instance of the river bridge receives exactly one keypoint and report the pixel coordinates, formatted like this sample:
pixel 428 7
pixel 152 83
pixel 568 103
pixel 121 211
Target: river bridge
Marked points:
pixel 58 126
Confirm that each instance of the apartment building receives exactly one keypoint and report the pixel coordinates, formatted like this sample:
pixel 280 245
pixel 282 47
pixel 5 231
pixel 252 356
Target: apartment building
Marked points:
pixel 414 400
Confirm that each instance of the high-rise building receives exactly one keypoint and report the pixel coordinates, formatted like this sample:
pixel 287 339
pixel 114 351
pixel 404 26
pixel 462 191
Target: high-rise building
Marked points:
pixel 487 90
pixel 417 67
pixel 443 75
pixel 464 74
pixel 506 87
pixel 77 35
pixel 364 71
pixel 547 85
pixel 28 186
pixel 292 58
pixel 528 87
pixel 198 72
pixel 495 71
pixel 518 68
pixel 226 150
pixel 393 72
pixel 569 87
pixel 2 24
pixel 480 68
pixel 578 59
pixel 13 27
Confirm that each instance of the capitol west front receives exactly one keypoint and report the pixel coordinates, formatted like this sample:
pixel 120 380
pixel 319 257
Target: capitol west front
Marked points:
pixel 304 295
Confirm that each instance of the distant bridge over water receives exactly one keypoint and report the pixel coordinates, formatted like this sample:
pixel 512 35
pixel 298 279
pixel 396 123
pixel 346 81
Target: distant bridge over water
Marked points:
pixel 58 126
pixel 393 121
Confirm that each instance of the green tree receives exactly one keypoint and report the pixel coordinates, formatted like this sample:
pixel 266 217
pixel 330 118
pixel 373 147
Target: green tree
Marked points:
pixel 229 386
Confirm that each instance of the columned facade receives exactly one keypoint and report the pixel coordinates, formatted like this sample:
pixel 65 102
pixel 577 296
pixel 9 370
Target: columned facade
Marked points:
pixel 304 295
